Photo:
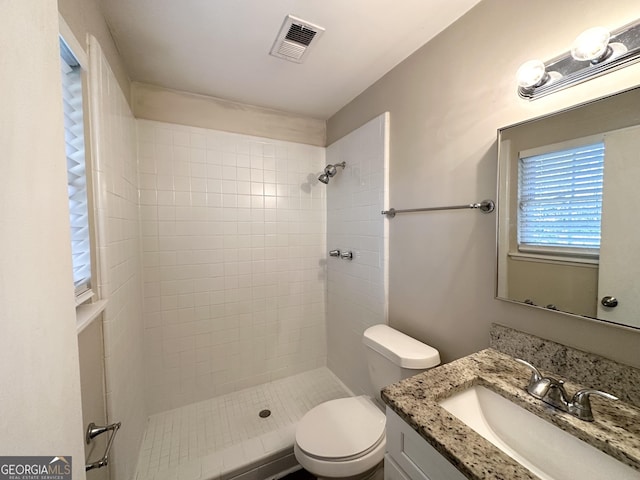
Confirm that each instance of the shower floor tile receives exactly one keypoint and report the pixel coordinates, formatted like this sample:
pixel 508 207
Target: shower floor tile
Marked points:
pixel 224 436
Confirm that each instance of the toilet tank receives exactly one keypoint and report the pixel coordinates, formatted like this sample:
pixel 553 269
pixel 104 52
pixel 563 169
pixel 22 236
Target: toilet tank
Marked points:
pixel 393 356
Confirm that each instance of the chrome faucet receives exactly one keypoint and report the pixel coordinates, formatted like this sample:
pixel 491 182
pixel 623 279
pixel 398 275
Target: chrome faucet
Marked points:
pixel 552 392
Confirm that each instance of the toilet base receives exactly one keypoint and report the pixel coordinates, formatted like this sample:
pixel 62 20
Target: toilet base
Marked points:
pixel 376 473
pixel 361 468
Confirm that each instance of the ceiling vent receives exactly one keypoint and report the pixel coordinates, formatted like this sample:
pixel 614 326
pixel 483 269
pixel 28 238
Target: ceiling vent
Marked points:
pixel 295 38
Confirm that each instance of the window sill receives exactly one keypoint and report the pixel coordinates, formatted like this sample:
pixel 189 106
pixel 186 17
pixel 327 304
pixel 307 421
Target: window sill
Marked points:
pixel 87 313
pixel 536 257
pixel 84 297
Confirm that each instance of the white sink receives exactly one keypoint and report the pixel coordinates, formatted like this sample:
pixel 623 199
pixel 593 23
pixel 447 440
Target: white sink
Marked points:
pixel 546 450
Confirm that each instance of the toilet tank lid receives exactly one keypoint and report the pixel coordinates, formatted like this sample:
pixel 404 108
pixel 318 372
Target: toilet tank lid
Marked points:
pixel 401 349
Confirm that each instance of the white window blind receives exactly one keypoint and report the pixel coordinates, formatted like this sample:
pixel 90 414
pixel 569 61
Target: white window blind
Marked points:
pixel 76 172
pixel 560 200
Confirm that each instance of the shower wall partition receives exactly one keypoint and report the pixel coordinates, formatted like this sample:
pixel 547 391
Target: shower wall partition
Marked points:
pixel 233 234
pixel 120 273
pixel 357 289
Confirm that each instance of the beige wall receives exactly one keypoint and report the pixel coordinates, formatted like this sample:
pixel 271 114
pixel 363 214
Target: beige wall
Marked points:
pixel 84 17
pixel 570 287
pixel 40 396
pixel 156 103
pixel 446 103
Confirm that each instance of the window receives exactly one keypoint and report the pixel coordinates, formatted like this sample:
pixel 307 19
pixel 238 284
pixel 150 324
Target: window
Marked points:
pixel 76 172
pixel 560 201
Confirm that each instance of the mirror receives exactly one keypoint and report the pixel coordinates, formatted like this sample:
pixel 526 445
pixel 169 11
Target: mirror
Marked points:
pixel 592 281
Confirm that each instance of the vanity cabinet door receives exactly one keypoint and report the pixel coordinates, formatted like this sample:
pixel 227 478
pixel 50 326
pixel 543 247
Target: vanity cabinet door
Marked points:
pixel 411 454
pixel 392 470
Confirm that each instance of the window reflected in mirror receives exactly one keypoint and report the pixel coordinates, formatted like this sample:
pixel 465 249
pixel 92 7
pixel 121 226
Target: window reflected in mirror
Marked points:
pixel 566 235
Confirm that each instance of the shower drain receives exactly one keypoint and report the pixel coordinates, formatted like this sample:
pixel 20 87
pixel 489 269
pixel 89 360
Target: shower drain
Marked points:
pixel 264 413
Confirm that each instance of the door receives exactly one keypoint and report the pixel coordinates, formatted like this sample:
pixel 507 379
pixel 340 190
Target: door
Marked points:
pixel 619 250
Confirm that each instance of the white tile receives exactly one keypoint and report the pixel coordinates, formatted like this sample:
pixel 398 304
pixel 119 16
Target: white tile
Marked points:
pixel 214 157
pixel 243 160
pixel 167 474
pixel 233 458
pixel 229 158
pixel 252 447
pixel 212 465
pixel 354 223
pixel 198 140
pixel 273 442
pixel 204 179
pixel 225 433
pixel 190 471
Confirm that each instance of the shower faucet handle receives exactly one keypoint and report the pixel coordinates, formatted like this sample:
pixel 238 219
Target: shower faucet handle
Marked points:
pixel 339 254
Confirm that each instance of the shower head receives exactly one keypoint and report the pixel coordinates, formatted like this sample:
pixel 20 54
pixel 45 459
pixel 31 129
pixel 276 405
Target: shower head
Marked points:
pixel 330 171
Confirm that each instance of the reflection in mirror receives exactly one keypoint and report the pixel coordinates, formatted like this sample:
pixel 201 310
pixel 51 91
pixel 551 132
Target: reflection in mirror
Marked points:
pixel 568 222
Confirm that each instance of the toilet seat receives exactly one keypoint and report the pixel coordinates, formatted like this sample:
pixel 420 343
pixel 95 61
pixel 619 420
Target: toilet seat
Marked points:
pixel 341 438
pixel 341 429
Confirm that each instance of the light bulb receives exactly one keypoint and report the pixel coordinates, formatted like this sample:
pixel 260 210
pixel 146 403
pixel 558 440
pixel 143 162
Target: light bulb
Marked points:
pixel 532 74
pixel 592 45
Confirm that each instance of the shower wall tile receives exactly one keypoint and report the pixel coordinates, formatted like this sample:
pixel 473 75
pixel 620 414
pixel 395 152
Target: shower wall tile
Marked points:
pixel 357 289
pixel 120 274
pixel 233 235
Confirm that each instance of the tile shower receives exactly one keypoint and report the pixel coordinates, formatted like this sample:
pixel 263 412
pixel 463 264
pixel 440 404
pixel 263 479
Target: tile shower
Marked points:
pixel 234 255
pixel 233 236
pixel 225 437
pixel 233 240
pixel 216 274
pixel 120 275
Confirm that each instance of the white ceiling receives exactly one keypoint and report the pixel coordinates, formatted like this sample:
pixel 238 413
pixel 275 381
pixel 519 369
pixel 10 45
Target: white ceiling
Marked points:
pixel 221 47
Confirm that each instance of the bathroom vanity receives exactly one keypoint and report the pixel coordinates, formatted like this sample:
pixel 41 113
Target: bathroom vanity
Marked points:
pixel 410 457
pixel 426 441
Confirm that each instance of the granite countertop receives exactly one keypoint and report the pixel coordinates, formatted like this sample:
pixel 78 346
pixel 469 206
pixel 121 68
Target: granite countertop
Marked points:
pixel 615 431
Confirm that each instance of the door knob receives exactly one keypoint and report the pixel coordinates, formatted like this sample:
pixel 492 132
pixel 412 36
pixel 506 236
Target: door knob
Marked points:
pixel 609 301
pixel 334 253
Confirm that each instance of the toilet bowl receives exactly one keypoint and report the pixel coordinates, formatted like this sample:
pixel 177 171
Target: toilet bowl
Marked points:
pixel 345 438
pixel 341 438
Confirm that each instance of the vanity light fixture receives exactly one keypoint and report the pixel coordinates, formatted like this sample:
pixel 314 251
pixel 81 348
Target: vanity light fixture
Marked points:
pixel 595 51
pixel 532 74
pixel 592 45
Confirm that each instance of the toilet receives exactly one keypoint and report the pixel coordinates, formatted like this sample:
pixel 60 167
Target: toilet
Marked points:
pixel 345 438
